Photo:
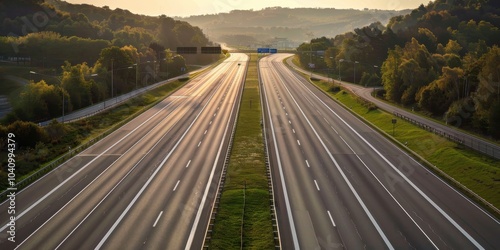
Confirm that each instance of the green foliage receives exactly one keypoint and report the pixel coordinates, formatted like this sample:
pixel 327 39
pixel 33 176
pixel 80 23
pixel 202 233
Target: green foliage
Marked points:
pixel 247 169
pixel 77 33
pixel 39 101
pixel 27 134
pixel 494 120
pixel 56 48
pixel 55 131
pixel 75 84
pixel 443 57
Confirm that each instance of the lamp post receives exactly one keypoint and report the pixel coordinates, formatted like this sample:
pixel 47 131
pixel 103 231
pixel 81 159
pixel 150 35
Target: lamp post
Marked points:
pixel 60 84
pixel 374 67
pixel 340 77
pixel 62 88
pixel 136 74
pixel 355 71
pixel 112 92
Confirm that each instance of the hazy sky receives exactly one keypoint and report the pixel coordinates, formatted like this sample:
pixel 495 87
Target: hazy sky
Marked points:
pixel 185 8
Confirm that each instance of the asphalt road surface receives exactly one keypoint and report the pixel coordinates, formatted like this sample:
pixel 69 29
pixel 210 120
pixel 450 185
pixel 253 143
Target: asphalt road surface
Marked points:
pixel 339 184
pixel 469 140
pixel 149 185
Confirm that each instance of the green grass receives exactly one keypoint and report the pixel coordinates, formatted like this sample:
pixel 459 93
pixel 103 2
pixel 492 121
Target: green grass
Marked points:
pixel 247 165
pixel 477 172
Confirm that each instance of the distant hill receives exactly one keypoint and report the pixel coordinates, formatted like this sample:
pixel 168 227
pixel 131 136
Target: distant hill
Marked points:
pixel 25 24
pixel 284 27
pixel 441 59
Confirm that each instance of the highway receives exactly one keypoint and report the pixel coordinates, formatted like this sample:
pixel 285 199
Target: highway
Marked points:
pixel 340 184
pixel 474 142
pixel 148 185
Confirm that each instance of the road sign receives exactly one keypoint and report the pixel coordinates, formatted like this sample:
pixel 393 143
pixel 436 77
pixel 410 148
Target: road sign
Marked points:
pixel 187 50
pixel 263 50
pixel 273 51
pixel 211 50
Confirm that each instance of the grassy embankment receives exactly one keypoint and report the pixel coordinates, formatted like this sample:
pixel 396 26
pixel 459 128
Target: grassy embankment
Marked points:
pixel 247 165
pixel 477 172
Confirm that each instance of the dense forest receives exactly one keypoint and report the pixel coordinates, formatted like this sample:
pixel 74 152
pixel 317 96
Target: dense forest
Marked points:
pixel 284 27
pixel 441 59
pixel 75 48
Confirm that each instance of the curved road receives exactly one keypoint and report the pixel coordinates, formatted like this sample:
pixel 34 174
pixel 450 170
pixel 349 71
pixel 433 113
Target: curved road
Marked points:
pixel 339 184
pixel 146 186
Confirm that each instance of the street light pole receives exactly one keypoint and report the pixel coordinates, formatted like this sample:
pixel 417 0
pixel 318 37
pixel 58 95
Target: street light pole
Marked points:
pixel 131 67
pixel 355 71
pixel 374 67
pixel 340 77
pixel 62 88
pixel 112 93
pixel 60 84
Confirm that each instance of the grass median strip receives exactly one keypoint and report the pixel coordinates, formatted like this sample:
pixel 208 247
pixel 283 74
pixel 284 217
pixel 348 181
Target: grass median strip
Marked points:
pixel 479 173
pixel 239 205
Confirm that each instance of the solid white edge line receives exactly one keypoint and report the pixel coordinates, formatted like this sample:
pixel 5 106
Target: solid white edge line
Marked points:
pixel 207 188
pixel 351 187
pixel 157 218
pixel 106 236
pixel 82 168
pixel 390 194
pixel 439 209
pixel 285 192
pixel 110 191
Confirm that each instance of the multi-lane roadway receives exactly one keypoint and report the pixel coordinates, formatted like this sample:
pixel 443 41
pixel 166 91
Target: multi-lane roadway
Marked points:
pixel 340 184
pixel 148 185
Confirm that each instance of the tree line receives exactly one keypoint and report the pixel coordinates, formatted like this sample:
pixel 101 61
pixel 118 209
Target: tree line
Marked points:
pixel 442 59
pixel 84 54
pixel 50 35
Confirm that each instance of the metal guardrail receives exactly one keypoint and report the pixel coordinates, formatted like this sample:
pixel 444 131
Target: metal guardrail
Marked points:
pixel 270 184
pixel 477 145
pixel 222 179
pixel 54 164
pixel 67 156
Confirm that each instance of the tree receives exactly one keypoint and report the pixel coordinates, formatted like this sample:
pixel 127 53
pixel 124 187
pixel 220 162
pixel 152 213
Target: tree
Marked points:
pixel 391 74
pixel 413 78
pixel 406 70
pixel 453 47
pixel 494 120
pixel 119 62
pixel 27 134
pixel 489 80
pixel 76 85
pixel 165 34
pixel 426 37
pixel 39 101
pixel 431 99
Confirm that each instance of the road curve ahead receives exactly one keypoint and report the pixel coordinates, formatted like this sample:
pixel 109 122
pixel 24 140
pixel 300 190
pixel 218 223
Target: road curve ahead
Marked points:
pixel 149 185
pixel 339 184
